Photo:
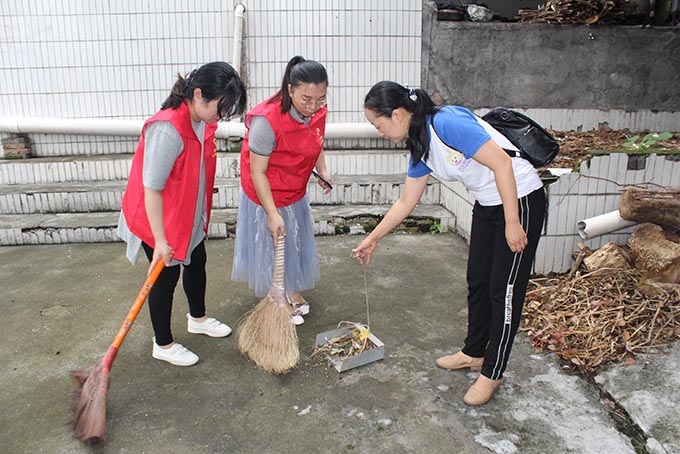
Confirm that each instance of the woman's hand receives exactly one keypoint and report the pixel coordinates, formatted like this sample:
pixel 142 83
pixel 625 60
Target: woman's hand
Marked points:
pixel 276 225
pixel 161 251
pixel 516 237
pixel 364 250
pixel 327 177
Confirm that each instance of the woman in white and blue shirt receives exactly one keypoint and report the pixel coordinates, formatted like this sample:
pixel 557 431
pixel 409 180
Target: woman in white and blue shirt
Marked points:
pixel 507 220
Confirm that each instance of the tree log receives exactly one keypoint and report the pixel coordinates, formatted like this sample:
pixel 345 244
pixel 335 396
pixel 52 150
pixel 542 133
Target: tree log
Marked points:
pixel 660 206
pixel 611 255
pixel 657 252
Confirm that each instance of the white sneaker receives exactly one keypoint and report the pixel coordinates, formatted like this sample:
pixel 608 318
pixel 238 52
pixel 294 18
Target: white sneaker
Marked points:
pixel 178 354
pixel 210 327
pixel 297 320
pixel 300 308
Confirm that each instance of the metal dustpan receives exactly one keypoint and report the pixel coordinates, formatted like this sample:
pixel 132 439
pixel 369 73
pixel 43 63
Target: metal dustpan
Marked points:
pixel 368 356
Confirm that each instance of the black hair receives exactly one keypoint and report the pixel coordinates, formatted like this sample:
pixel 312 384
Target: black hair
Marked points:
pixel 217 80
pixel 386 96
pixel 298 71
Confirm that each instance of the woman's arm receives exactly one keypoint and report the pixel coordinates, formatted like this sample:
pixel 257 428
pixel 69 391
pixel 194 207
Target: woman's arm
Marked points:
pixel 258 172
pixel 493 157
pixel 153 203
pixel 410 196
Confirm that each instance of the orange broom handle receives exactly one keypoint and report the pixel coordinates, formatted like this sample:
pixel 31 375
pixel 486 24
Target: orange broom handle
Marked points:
pixel 139 302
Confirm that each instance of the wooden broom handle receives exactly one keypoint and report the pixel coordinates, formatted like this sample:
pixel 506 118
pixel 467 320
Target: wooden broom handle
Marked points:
pixel 139 302
pixel 279 264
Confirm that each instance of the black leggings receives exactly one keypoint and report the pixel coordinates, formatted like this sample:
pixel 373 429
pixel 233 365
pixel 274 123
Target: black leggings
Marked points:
pixel 497 281
pixel 160 297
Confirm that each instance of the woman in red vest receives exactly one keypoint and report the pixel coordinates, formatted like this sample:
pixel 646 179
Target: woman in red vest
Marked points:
pixel 167 203
pixel 283 145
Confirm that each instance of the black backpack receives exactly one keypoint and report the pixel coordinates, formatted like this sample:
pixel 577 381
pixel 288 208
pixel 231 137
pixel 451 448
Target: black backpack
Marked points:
pixel 536 145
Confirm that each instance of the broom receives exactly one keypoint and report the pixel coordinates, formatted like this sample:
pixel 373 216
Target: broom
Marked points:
pixel 88 417
pixel 266 334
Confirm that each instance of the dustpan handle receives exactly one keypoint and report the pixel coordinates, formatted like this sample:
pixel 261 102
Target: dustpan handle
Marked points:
pixel 279 265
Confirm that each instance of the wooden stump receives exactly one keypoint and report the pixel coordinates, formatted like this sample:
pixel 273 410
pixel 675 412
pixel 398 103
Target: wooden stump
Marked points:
pixel 611 255
pixel 657 252
pixel 658 206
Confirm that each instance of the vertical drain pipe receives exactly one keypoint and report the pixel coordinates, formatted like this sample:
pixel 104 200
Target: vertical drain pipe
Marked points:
pixel 238 37
pixel 236 52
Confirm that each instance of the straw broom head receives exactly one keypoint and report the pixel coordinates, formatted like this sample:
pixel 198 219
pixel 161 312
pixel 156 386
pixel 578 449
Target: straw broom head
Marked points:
pixel 266 334
pixel 88 418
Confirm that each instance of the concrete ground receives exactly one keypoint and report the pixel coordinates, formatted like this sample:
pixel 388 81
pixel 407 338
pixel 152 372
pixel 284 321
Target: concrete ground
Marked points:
pixel 63 304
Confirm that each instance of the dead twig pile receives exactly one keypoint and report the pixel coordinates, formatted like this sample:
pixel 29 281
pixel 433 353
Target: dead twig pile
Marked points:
pixel 355 341
pixel 574 12
pixel 604 316
pixel 577 145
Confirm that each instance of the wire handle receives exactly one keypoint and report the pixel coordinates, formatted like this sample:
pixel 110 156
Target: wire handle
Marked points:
pixel 368 312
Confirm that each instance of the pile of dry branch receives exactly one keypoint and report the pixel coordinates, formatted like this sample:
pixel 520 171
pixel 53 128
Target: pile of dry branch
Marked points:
pixel 355 341
pixel 577 145
pixel 575 12
pixel 608 315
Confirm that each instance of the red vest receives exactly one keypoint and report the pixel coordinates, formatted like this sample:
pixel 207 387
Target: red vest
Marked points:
pixel 181 189
pixel 297 149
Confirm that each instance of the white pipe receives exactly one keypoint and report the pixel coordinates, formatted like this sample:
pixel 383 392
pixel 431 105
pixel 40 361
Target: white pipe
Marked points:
pixel 88 126
pixel 602 224
pixel 238 37
pixel 96 127
pixel 112 127
pixel 351 131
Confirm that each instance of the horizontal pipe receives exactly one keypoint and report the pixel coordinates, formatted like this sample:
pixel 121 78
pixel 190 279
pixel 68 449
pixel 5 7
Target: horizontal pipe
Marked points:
pixel 602 224
pixel 351 131
pixel 112 127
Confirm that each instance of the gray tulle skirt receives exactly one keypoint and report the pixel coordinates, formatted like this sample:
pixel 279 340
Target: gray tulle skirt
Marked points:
pixel 254 249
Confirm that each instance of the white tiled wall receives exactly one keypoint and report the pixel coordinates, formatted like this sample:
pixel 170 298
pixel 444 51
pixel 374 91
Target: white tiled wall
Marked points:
pixel 95 59
pixel 359 42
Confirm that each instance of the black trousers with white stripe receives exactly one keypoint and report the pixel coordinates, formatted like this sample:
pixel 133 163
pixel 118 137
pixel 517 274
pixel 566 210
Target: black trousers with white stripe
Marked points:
pixel 497 281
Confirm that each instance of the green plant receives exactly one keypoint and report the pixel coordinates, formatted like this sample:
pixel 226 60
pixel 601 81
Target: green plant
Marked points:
pixel 647 141
pixel 436 227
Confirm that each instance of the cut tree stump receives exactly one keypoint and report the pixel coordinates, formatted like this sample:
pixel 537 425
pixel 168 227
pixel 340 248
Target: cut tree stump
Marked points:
pixel 611 255
pixel 659 206
pixel 657 252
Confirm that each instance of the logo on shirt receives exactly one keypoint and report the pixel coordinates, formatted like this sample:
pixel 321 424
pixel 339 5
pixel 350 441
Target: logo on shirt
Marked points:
pixel 455 158
pixel 319 137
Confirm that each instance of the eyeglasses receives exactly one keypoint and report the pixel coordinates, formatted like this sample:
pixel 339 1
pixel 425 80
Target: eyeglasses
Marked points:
pixel 312 104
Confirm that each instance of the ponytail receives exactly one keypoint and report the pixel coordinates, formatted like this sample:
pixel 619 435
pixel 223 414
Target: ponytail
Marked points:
pixel 298 71
pixel 178 93
pixel 386 96
pixel 418 133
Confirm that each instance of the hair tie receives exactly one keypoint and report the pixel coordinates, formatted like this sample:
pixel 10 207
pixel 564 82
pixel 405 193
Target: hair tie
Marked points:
pixel 411 93
pixel 191 75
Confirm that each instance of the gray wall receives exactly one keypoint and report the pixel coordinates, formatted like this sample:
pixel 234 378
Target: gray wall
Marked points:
pixel 551 67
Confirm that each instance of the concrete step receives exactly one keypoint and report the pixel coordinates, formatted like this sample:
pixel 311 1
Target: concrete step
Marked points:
pixel 97 196
pixel 117 167
pixel 101 227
